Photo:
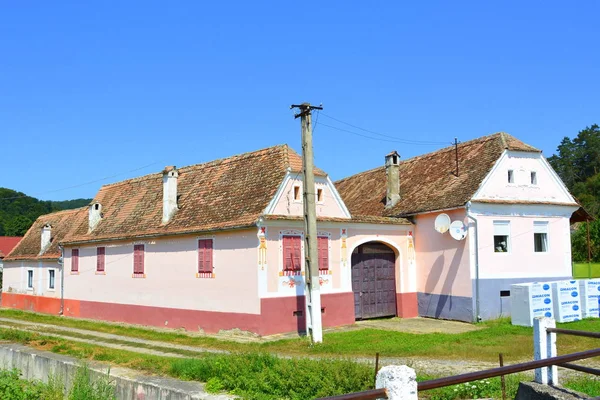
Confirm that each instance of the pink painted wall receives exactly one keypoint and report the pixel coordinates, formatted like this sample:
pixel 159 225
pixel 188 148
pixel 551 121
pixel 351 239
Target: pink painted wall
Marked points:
pixel 393 235
pixel 547 189
pixel 442 262
pixel 286 205
pixel 170 268
pixel 521 261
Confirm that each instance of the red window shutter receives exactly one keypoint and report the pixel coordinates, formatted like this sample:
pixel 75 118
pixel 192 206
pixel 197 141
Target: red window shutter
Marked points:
pixel 292 253
pixel 138 259
pixel 205 255
pixel 100 253
pixel 75 260
pixel 323 250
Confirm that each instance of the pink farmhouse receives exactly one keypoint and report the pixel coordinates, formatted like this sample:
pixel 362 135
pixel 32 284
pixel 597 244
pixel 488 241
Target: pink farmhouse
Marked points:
pixel 220 245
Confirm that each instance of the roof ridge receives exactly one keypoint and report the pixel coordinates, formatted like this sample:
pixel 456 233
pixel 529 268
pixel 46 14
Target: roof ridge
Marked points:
pixel 209 164
pixel 70 210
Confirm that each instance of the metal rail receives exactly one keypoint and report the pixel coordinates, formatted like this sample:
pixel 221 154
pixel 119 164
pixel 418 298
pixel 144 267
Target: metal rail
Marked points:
pixel 366 395
pixel 509 369
pixel 580 368
pixel 595 335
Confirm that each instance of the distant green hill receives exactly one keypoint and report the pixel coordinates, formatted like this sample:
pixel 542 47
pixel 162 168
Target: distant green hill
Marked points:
pixel 18 211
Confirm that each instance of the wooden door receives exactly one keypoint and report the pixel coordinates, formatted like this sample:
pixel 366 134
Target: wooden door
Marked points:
pixel 373 281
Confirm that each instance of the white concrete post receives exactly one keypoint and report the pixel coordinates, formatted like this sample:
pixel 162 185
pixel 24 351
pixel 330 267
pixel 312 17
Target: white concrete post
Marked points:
pixel 399 381
pixel 544 346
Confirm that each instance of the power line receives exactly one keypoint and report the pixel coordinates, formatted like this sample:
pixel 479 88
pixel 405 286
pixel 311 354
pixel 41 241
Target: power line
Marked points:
pixel 380 139
pixel 81 184
pixel 391 138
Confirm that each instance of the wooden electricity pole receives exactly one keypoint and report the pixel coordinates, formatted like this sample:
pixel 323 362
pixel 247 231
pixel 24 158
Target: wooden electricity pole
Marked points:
pixel 314 325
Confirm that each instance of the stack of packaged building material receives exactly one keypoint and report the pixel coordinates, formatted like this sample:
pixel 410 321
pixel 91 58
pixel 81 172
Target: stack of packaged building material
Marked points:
pixel 590 297
pixel 567 301
pixel 530 300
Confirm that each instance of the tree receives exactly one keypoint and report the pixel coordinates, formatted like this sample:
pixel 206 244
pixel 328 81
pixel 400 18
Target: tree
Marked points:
pixel 579 246
pixel 17 225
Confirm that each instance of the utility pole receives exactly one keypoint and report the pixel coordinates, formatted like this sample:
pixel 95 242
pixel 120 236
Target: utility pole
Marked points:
pixel 311 266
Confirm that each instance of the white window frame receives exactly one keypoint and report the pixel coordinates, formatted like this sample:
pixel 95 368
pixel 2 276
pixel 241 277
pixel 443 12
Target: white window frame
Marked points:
pixel 32 278
pixel 502 228
pixel 541 227
pixel 291 232
pixel 322 195
pixel 510 176
pixel 51 288
pixel 533 178
pixel 300 194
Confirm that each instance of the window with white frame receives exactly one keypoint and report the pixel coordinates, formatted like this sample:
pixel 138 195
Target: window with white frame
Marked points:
pixel 540 236
pixel 51 279
pixel 533 178
pixel 511 176
pixel 29 279
pixel 501 236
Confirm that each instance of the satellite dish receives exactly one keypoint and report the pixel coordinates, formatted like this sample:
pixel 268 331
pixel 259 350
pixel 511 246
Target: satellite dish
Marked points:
pixel 458 231
pixel 442 223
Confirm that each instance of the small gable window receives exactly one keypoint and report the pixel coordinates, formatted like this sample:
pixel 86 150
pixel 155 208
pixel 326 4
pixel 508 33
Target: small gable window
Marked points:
pixel 511 176
pixel 320 195
pixel 533 178
pixel 100 256
pixel 138 261
pixel 75 260
pixel 501 236
pixel 292 255
pixel 323 249
pixel 205 258
pixel 297 193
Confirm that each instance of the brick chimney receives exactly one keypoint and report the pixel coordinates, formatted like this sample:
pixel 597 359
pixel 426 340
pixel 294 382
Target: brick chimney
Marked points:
pixel 45 238
pixel 392 172
pixel 95 215
pixel 170 176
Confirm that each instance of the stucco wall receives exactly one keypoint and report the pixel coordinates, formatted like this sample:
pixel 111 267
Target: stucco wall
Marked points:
pixel 395 236
pixel 286 205
pixel 170 269
pixel 14 278
pixel 548 187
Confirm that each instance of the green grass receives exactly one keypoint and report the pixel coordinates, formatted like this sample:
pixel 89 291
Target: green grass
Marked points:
pixel 586 270
pixel 497 336
pixel 260 376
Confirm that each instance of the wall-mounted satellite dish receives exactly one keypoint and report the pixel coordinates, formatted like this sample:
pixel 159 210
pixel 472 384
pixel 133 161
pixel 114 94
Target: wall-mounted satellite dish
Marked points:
pixel 442 223
pixel 458 231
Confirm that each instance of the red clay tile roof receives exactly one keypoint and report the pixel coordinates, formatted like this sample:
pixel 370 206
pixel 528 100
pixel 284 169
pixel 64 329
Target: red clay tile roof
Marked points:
pixel 7 243
pixel 224 194
pixel 62 223
pixel 428 182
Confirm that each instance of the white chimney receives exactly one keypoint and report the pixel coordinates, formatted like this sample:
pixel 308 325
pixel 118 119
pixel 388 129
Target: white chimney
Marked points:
pixel 46 236
pixel 170 176
pixel 95 215
pixel 392 172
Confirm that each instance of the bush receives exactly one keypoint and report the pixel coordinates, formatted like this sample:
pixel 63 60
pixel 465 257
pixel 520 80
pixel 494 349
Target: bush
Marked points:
pixel 261 376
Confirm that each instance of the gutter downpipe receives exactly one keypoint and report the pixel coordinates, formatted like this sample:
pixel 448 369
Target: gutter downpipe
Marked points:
pixel 61 262
pixel 477 314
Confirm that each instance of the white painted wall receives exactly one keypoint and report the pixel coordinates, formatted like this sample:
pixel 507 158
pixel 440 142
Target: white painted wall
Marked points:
pixel 14 278
pixel 549 187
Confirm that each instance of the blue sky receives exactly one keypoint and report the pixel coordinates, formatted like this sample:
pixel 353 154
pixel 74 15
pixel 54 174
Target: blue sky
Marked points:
pixel 121 89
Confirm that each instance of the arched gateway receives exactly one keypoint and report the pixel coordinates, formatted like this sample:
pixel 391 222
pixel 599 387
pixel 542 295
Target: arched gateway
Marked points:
pixel 374 281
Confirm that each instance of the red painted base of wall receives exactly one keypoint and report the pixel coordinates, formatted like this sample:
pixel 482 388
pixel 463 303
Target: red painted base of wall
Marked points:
pixel 277 314
pixel 407 305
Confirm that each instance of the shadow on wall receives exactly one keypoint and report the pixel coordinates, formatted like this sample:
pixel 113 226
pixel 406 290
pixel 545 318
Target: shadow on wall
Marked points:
pixel 444 301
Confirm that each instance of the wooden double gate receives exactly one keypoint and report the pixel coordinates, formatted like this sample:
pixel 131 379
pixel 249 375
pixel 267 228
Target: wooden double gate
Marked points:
pixel 374 281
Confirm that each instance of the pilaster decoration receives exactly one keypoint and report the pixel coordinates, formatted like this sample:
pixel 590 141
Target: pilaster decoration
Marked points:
pixel 343 247
pixel 410 254
pixel 262 247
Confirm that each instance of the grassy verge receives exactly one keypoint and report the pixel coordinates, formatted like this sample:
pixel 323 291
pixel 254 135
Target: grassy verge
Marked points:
pixel 260 376
pixel 586 270
pixel 497 336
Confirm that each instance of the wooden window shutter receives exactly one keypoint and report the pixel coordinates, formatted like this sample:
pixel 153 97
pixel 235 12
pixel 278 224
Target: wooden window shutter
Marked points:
pixel 100 253
pixel 323 250
pixel 75 260
pixel 297 253
pixel 205 256
pixel 138 259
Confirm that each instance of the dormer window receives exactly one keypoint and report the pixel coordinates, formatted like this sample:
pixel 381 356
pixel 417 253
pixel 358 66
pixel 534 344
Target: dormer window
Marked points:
pixel 511 176
pixel 533 178
pixel 297 193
